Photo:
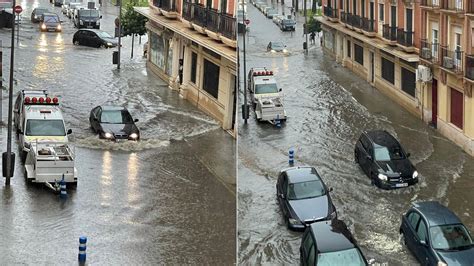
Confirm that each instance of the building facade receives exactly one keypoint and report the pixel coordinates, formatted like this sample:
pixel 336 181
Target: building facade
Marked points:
pixel 192 46
pixel 386 41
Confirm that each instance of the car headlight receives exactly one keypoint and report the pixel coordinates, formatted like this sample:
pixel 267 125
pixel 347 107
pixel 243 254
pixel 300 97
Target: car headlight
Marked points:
pixel 97 22
pixel 81 22
pixel 415 174
pixel 273 51
pixel 332 215
pixel 293 221
pixel 59 26
pixel 43 26
pixel 441 263
pixel 109 44
pixel 134 135
pixel 285 51
pixel 108 135
pixel 382 177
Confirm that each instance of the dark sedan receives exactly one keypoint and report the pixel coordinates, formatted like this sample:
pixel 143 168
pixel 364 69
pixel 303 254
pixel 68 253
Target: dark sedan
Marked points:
pixel 37 13
pixel 303 197
pixel 330 243
pixel 384 161
pixel 114 123
pixel 287 25
pixel 436 236
pixel 93 38
pixel 276 47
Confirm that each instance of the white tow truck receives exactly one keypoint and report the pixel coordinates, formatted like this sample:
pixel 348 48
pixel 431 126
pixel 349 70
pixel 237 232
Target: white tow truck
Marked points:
pixel 265 95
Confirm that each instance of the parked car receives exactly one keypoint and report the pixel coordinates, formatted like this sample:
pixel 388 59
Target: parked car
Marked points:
pixel 145 49
pixel 50 22
pixel 93 38
pixel 276 47
pixel 266 9
pixel 271 13
pixel 303 197
pixel 113 123
pixel 58 2
pixel 277 19
pixel 37 12
pixel 436 236
pixel 384 161
pixel 330 243
pixel 65 6
pixel 287 24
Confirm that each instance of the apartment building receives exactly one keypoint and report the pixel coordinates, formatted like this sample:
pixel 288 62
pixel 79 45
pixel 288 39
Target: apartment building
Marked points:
pixel 198 37
pixel 446 49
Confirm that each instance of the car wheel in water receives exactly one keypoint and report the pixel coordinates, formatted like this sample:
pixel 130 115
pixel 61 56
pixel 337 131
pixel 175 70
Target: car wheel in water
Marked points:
pixel 76 42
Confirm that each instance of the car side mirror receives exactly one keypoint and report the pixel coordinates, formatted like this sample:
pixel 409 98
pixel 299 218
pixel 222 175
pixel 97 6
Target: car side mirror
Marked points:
pixel 369 157
pixel 423 243
pixel 408 154
pixel 136 120
pixel 69 131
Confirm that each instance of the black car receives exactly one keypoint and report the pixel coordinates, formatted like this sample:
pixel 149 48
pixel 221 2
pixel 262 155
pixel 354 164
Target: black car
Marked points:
pixel 276 47
pixel 114 123
pixel 287 24
pixel 330 243
pixel 37 12
pixel 436 236
pixel 50 22
pixel 384 161
pixel 303 197
pixel 93 38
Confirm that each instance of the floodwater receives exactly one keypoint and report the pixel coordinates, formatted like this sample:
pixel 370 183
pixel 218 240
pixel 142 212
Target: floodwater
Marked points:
pixel 167 199
pixel 328 107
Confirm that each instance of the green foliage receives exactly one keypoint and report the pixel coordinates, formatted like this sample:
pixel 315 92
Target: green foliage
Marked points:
pixel 314 25
pixel 133 22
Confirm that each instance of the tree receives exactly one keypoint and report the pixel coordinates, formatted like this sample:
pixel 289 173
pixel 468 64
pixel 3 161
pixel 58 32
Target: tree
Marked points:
pixel 314 25
pixel 133 23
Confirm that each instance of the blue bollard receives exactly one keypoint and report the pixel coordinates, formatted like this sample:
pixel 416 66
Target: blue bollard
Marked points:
pixel 278 122
pixel 62 187
pixel 82 248
pixel 291 155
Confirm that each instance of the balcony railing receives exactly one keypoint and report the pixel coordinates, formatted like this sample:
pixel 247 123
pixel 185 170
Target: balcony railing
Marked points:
pixel 451 60
pixel 200 15
pixel 355 21
pixel 368 25
pixel 453 5
pixel 188 10
pixel 429 51
pixel 157 3
pixel 470 6
pixel 431 3
pixel 405 38
pixel 389 33
pixel 168 5
pixel 344 17
pixel 469 72
pixel 227 26
pixel 330 12
pixel 210 19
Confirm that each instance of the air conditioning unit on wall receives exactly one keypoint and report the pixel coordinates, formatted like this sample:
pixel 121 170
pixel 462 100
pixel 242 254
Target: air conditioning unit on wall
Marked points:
pixel 448 62
pixel 426 53
pixel 423 73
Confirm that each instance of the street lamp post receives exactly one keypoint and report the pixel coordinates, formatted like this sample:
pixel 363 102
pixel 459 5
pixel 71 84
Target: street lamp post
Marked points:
pixel 119 33
pixel 305 25
pixel 245 106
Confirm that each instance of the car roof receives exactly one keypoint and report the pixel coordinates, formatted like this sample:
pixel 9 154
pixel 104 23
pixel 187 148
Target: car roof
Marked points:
pixel 436 213
pixel 382 137
pixel 50 14
pixel 301 174
pixel 34 112
pixel 332 236
pixel 93 30
pixel 112 107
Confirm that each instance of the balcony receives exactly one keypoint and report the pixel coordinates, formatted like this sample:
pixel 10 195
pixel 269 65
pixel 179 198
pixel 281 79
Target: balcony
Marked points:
pixel 344 17
pixel 212 24
pixel 430 4
pixel 368 27
pixel 470 7
pixel 331 13
pixel 452 6
pixel 405 40
pixel 355 21
pixel 429 52
pixel 451 60
pixel 156 6
pixel 168 8
pixel 390 34
pixel 469 67
pixel 187 16
pixel 227 30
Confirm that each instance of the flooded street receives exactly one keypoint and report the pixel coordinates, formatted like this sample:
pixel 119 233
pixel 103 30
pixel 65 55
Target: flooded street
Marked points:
pixel 167 199
pixel 328 107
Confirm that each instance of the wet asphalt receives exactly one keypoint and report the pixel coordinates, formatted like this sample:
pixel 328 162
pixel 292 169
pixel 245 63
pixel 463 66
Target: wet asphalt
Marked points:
pixel 168 199
pixel 328 107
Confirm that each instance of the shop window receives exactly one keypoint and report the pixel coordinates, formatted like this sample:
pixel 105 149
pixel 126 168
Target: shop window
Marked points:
pixel 457 108
pixel 211 78
pixel 193 67
pixel 388 70
pixel 157 51
pixel 359 54
pixel 408 81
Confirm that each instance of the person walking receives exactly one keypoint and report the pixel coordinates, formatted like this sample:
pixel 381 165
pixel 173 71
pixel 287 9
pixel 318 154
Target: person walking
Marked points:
pixel 312 37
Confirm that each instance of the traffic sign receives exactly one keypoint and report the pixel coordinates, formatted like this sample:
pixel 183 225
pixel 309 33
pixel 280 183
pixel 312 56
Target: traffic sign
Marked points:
pixel 247 21
pixel 18 9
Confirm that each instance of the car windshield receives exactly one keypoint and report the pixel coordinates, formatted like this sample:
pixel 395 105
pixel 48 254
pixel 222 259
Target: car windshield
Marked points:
pixel 90 13
pixel 450 237
pixel 386 154
pixel 348 257
pixel 116 117
pixel 277 45
pixel 288 22
pixel 103 34
pixel 40 11
pixel 306 190
pixel 51 19
pixel 45 127
pixel 266 88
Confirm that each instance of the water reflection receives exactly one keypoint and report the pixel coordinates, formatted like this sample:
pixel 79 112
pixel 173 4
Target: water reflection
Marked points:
pixel 43 43
pixel 106 177
pixel 132 167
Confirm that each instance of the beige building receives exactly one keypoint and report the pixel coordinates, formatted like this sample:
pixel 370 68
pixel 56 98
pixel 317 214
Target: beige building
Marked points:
pixel 200 38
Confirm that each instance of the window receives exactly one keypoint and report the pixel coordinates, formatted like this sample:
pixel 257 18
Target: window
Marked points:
pixel 211 78
pixel 348 48
pixel 413 218
pixel 388 70
pixel 457 108
pixel 434 43
pixel 422 231
pixel 359 54
pixel 193 67
pixel 408 82
pixel 457 51
pixel 381 13
pixel 45 127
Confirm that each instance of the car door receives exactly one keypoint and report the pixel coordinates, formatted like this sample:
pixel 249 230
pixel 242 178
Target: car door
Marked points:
pixel 284 198
pixel 364 152
pixel 409 225
pixel 96 118
pixel 308 249
pixel 422 246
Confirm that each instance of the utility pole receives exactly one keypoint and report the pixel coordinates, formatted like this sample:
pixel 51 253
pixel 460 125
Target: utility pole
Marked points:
pixel 9 172
pixel 305 26
pixel 245 112
pixel 119 32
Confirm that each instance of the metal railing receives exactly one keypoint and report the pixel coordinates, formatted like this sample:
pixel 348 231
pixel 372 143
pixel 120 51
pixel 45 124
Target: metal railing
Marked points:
pixel 368 25
pixel 469 70
pixel 451 60
pixel 188 10
pixel 429 51
pixel 330 12
pixel 200 15
pixel 405 38
pixel 168 5
pixel 344 17
pixel 389 33
pixel 453 5
pixel 213 18
pixel 210 19
pixel 227 26
pixel 431 3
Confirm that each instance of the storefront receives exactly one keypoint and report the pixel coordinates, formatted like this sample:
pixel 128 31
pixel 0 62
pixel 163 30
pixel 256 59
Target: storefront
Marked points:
pixel 161 49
